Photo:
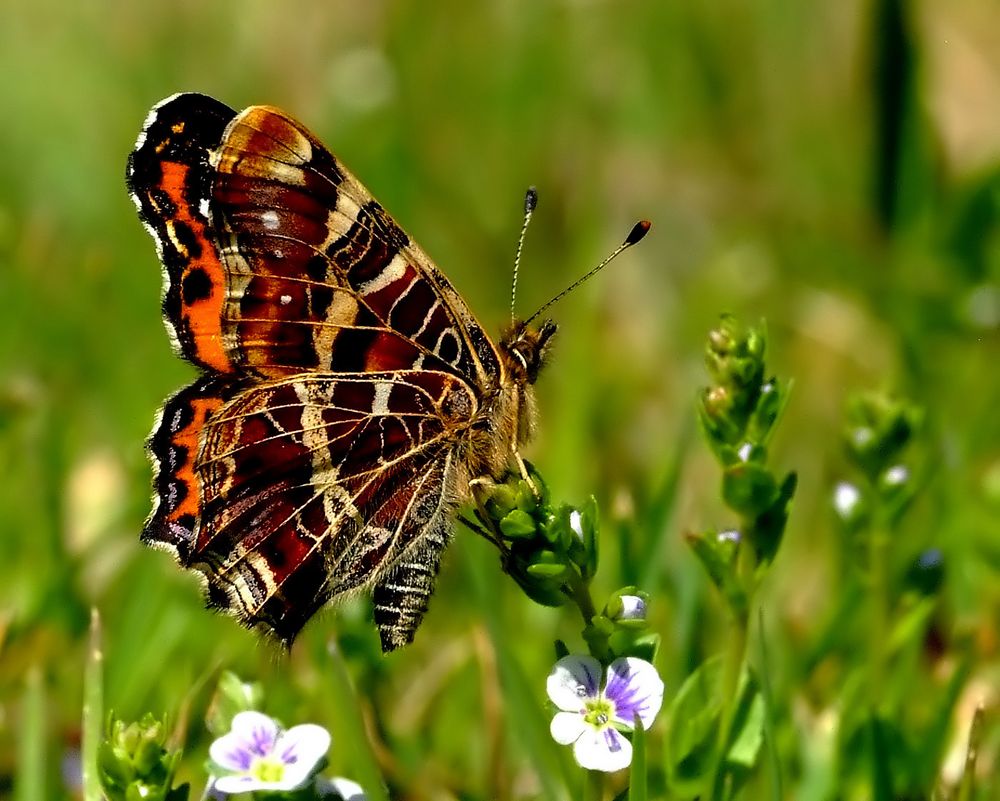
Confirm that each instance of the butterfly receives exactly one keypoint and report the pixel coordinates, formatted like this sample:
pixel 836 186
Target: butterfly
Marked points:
pixel 347 395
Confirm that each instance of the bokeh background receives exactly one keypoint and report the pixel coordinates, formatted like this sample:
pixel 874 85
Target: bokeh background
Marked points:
pixel 830 166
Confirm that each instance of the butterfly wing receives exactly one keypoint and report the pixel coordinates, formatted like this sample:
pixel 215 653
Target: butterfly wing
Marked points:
pixel 278 260
pixel 322 450
pixel 311 487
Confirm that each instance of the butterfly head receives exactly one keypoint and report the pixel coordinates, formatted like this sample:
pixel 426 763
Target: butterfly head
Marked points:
pixel 524 348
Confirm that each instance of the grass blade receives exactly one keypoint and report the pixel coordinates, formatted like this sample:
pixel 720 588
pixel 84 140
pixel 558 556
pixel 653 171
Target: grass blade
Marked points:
pixel 93 710
pixel 638 788
pixel 30 782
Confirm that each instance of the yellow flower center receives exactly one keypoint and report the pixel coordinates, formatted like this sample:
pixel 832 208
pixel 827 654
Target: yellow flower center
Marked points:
pixel 267 770
pixel 599 712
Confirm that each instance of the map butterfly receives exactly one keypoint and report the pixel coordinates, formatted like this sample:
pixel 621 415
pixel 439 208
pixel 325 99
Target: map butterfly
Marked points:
pixel 347 396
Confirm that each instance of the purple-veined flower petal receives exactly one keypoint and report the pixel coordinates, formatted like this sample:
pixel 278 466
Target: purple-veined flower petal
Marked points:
pixel 230 752
pixel 605 749
pixel 566 727
pixel 573 680
pixel 300 749
pixel 256 729
pixel 636 689
pixel 252 735
pixel 633 608
pixel 306 743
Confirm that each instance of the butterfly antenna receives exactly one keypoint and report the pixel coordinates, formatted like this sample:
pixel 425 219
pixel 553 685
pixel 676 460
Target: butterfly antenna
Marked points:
pixel 639 230
pixel 530 201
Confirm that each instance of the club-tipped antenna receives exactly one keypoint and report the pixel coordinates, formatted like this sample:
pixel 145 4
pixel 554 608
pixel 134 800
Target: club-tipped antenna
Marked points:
pixel 639 230
pixel 530 201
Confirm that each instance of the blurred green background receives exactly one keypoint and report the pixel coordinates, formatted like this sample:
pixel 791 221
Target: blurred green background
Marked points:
pixel 829 166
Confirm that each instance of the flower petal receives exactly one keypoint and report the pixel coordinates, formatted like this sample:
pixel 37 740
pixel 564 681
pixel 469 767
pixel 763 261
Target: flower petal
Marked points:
pixel 346 789
pixel 567 727
pixel 243 783
pixel 252 735
pixel 231 752
pixel 606 750
pixel 633 608
pixel 574 679
pixel 256 729
pixel 636 689
pixel 300 749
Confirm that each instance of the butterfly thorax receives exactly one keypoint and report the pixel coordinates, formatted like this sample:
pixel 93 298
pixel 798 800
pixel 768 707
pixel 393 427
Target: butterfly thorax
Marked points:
pixel 510 416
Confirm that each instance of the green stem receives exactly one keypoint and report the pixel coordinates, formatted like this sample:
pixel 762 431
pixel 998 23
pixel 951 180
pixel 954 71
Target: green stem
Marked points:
pixel 583 601
pixel 733 667
pixel 93 710
pixel 878 574
pixel 579 591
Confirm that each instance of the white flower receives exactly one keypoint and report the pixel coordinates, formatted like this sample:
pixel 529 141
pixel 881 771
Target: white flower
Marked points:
pixel 846 498
pixel 340 789
pixel 590 715
pixel 633 608
pixel 257 755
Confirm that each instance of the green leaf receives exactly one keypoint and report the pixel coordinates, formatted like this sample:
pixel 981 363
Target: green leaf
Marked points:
pixel 717 555
pixel 517 524
pixel 911 626
pixel 693 721
pixel 749 488
pixel 546 565
pixel 748 731
pixel 770 406
pixel 583 530
pixel 768 529
pixel 693 716
pixel 232 696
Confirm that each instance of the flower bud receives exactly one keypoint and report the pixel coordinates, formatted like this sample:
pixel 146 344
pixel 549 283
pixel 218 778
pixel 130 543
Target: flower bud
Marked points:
pixel 133 763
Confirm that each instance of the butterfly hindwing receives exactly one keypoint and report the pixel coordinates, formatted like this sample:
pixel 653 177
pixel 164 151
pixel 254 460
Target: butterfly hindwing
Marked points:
pixel 173 448
pixel 312 487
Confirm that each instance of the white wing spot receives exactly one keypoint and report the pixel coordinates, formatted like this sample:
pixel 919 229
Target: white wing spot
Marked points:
pixel 270 220
pixel 381 403
pixel 393 271
pixel 203 207
pixel 285 300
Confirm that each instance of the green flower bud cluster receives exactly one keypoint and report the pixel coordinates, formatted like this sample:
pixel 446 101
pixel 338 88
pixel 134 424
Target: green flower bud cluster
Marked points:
pixel 552 553
pixel 733 408
pixel 877 436
pixel 549 551
pixel 134 765
pixel 738 414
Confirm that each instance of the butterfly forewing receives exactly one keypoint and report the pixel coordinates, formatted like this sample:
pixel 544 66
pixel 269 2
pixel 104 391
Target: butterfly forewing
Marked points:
pixel 326 447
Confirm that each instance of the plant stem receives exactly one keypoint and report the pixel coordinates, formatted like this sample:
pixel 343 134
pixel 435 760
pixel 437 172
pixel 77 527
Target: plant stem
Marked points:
pixel 732 668
pixel 598 644
pixel 583 601
pixel 93 710
pixel 878 574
